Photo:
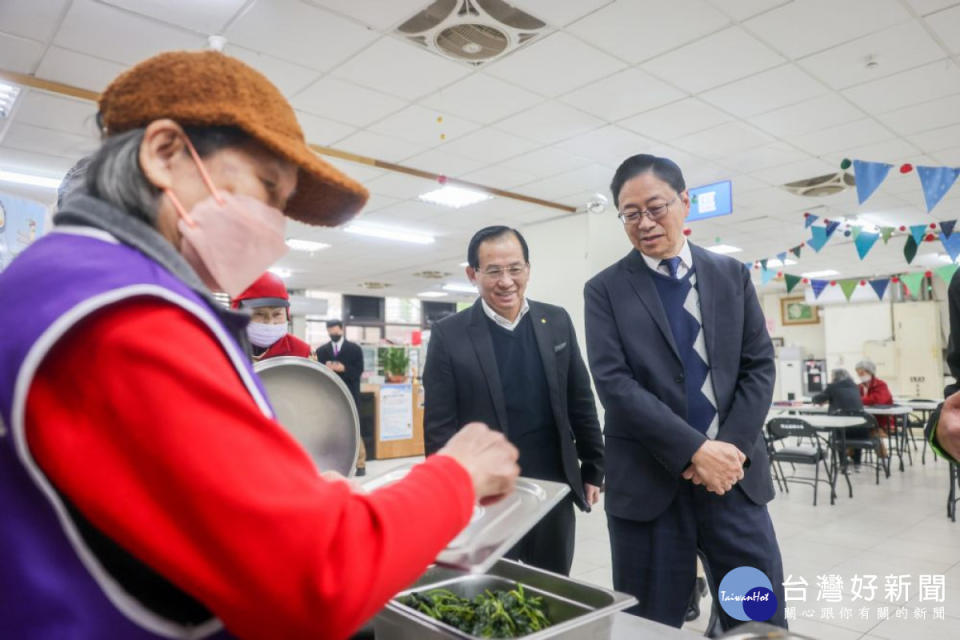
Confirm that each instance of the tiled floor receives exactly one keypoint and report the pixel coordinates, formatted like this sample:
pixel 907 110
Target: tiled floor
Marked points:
pixel 896 528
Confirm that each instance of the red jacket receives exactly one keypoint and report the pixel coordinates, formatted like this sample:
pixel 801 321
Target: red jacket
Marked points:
pixel 877 392
pixel 288 345
pixel 140 420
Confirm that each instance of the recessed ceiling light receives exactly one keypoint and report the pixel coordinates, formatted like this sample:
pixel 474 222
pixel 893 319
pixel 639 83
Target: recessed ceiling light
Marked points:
pixel 306 245
pixel 456 197
pixel 432 294
pixel 280 271
pixel 460 288
pixel 775 262
pixel 29 179
pixel 388 233
pixel 724 249
pixel 464 264
pixel 820 274
pixel 8 95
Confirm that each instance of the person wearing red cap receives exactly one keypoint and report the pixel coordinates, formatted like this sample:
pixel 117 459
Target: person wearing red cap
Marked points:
pixel 269 305
pixel 148 490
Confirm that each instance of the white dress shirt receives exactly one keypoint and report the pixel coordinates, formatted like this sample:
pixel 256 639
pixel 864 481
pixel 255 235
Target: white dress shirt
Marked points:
pixel 500 320
pixel 337 345
pixel 686 262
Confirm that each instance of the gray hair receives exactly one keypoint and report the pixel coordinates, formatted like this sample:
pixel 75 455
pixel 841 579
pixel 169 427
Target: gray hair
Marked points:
pixel 73 180
pixel 114 175
pixel 840 375
pixel 868 366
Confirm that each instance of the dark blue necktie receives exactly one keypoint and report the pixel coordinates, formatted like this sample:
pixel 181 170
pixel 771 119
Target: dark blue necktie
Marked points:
pixel 672 264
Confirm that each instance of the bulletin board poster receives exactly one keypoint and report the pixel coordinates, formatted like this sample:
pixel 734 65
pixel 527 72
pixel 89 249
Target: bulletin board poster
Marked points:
pixel 710 201
pixel 396 412
pixel 21 222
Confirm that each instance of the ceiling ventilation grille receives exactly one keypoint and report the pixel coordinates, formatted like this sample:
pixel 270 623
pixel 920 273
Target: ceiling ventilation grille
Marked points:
pixel 471 31
pixel 825 185
pixel 375 285
pixel 432 275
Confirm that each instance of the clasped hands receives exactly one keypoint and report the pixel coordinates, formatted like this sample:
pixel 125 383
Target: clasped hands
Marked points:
pixel 717 466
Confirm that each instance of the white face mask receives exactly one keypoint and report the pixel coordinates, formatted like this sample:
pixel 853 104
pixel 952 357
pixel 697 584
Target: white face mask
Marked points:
pixel 865 379
pixel 263 335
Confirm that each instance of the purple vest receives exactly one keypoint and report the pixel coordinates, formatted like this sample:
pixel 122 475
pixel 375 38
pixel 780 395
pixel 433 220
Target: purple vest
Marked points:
pixel 52 584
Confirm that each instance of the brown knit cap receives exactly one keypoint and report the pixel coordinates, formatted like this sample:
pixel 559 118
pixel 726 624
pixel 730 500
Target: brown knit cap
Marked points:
pixel 207 88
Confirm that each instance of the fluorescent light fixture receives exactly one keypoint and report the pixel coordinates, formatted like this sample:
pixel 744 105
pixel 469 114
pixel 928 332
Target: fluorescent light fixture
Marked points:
pixel 280 271
pixel 819 274
pixel 775 262
pixel 32 180
pixel 8 95
pixel 306 245
pixel 460 288
pixel 464 264
pixel 724 249
pixel 388 233
pixel 456 197
pixel 432 294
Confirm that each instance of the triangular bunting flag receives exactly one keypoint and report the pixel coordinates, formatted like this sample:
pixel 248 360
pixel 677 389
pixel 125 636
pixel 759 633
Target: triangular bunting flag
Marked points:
pixel 936 181
pixel 782 257
pixel 865 242
pixel 945 272
pixel 819 238
pixel 831 227
pixel 818 287
pixel 855 232
pixel 792 281
pixel 946 227
pixel 880 286
pixel 885 233
pixel 918 231
pixel 848 286
pixel 912 282
pixel 767 275
pixel 910 249
pixel 763 264
pixel 796 250
pixel 869 175
pixel 810 219
pixel 952 244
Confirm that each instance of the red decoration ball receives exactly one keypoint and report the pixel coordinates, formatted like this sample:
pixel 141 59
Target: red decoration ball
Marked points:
pixel 756 265
pixel 833 283
pixel 933 225
pixel 687 232
pixel 806 214
pixel 825 221
pixel 442 179
pixel 779 274
pixel 803 244
pixel 930 237
pixel 863 283
pixel 895 279
pixel 902 228
pixel 805 281
pixel 906 167
pixel 928 274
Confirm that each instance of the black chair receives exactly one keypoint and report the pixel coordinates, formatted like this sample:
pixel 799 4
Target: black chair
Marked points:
pixel 815 453
pixel 864 440
pixel 775 469
pixel 915 421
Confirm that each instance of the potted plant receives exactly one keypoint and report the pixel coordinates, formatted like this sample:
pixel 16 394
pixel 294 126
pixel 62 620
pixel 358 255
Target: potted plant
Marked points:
pixel 395 364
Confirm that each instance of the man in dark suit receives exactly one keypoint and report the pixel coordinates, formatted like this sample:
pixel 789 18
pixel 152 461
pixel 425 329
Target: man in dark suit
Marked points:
pixel 684 367
pixel 514 364
pixel 346 359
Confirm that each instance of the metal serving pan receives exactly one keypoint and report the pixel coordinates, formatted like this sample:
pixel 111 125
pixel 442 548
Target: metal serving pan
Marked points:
pixel 576 609
pixel 494 529
pixel 316 407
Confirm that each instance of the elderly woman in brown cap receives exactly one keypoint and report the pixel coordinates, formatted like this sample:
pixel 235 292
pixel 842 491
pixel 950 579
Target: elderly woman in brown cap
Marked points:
pixel 147 489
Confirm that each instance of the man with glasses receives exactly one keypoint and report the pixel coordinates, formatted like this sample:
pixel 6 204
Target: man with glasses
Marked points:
pixel 514 364
pixel 684 367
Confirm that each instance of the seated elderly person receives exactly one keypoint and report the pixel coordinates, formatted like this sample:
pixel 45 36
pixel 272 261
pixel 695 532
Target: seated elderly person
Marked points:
pixel 874 391
pixel 841 394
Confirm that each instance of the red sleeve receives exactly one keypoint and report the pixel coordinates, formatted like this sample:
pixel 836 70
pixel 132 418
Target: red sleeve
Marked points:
pixel 139 418
pixel 877 393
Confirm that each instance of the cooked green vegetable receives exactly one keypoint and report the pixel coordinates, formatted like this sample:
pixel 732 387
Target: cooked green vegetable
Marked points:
pixel 497 614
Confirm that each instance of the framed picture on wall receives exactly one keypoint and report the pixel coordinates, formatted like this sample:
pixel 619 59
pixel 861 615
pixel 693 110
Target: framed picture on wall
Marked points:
pixel 797 311
pixel 777 341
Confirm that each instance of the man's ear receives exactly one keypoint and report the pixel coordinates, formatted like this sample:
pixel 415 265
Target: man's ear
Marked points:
pixel 471 274
pixel 162 145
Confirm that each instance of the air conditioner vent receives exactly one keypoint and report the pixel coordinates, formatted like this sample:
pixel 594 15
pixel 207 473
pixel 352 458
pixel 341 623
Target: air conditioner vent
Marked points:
pixel 820 186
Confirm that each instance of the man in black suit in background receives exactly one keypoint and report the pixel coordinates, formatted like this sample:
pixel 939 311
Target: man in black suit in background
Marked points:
pixel 346 359
pixel 514 364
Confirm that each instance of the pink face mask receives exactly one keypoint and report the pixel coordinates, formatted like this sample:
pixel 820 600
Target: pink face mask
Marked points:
pixel 228 239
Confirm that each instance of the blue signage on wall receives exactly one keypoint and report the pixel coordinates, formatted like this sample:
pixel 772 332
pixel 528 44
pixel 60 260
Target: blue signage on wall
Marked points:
pixel 710 201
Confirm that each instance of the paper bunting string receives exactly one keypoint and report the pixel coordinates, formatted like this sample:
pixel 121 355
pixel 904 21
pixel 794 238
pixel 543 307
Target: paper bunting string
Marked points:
pixel 831 227
pixel 885 233
pixel 766 275
pixel 918 231
pixel 796 250
pixel 782 257
pixel 809 219
pixel 849 286
pixel 912 282
pixel 855 233
pixel 946 227
pixel 818 287
pixel 792 281
pixel 910 249
pixel 952 244
pixel 880 286
pixel 819 238
pixel 936 181
pixel 945 272
pixel 763 264
pixel 864 242
pixel 869 176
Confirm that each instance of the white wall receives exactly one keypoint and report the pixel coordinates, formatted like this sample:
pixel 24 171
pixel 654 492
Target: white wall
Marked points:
pixel 809 337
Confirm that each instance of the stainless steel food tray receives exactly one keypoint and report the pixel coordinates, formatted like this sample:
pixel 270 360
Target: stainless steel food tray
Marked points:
pixel 576 609
pixel 316 408
pixel 495 528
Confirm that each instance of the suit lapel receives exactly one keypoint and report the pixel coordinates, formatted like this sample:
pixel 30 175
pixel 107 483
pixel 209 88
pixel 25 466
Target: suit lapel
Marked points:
pixel 708 290
pixel 544 332
pixel 642 283
pixel 479 334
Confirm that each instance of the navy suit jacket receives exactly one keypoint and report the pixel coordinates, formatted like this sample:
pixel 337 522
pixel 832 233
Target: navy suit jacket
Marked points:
pixel 639 377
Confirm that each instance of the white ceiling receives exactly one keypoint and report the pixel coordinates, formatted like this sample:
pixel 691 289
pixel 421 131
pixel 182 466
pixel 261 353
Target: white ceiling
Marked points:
pixel 758 91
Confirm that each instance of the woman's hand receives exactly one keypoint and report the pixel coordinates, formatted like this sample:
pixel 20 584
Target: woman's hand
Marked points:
pixel 488 457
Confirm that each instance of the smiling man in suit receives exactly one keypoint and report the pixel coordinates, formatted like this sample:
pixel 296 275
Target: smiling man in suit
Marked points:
pixel 514 364
pixel 684 367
